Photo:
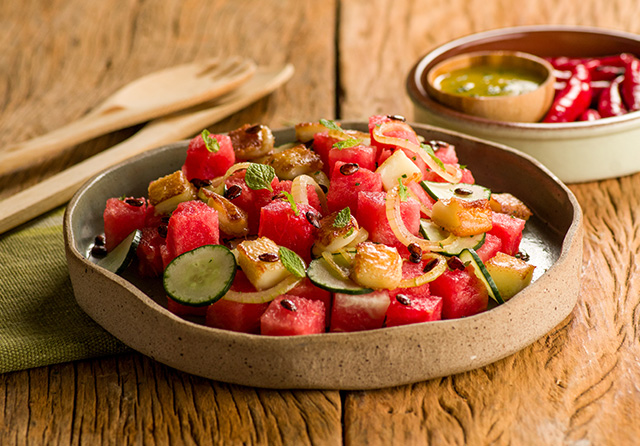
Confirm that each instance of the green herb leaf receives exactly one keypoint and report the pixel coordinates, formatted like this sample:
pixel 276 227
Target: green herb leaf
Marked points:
pixel 292 262
pixel 210 142
pixel 331 125
pixel 346 143
pixel 292 202
pixel 343 218
pixel 427 148
pixel 402 191
pixel 259 176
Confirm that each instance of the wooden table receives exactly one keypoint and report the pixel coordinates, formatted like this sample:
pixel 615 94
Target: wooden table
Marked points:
pixel 576 386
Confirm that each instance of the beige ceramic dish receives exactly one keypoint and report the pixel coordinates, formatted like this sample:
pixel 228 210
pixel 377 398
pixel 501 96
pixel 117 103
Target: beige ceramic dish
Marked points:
pixel 575 152
pixel 135 311
pixel 526 107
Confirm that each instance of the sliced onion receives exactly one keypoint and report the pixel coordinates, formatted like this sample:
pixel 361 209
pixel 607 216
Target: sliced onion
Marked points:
pixel 360 237
pixel 259 297
pixel 300 192
pixel 433 273
pixel 392 208
pixel 219 189
pixel 450 173
pixel 340 271
pixel 424 210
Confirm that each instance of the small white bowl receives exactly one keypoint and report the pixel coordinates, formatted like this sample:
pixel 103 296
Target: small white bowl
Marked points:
pixel 575 152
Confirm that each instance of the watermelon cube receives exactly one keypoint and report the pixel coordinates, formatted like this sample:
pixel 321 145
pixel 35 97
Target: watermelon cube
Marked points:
pixel 236 316
pixel 509 230
pixel 490 247
pixel 121 218
pixel 312 195
pixel 322 144
pixel 364 155
pixel 405 309
pixel 359 312
pixel 344 189
pixel 286 227
pixel 289 315
pixel 205 164
pixel 463 294
pixel 376 120
pixel 184 310
pixel 309 291
pixel 373 217
pixel 192 224
pixel 249 200
pixel 149 252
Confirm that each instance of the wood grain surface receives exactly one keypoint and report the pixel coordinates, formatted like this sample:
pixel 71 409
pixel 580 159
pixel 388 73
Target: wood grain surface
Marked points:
pixel 576 386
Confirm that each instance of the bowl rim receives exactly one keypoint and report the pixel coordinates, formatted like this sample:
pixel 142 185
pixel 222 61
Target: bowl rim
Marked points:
pixel 420 97
pixel 571 244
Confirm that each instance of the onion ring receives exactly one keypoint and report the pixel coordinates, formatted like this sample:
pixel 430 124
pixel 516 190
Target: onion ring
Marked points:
pixel 260 297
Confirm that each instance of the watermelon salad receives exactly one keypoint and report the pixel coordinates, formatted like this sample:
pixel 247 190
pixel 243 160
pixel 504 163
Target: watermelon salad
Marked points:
pixel 339 231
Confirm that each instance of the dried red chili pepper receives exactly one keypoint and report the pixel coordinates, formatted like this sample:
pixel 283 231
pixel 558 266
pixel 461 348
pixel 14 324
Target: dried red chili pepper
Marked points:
pixel 574 99
pixel 589 114
pixel 610 103
pixel 631 83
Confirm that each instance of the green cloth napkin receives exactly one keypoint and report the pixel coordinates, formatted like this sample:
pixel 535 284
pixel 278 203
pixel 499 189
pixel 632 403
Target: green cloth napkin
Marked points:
pixel 40 321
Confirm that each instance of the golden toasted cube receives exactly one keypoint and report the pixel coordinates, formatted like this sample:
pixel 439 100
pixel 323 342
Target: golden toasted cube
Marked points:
pixel 397 166
pixel 462 217
pixel 261 263
pixel 305 131
pixel 509 273
pixel 377 266
pixel 508 204
pixel 293 162
pixel 167 192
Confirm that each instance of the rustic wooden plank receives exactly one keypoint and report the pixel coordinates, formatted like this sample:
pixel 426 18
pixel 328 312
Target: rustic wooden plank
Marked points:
pixel 578 384
pixel 60 58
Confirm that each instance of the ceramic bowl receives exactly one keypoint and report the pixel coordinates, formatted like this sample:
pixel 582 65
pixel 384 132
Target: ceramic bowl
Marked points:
pixel 575 152
pixel 134 310
pixel 526 107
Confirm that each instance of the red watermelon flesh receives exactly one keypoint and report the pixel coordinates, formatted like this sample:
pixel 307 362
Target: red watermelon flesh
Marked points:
pixel 509 230
pixel 236 316
pixel 358 312
pixel 420 309
pixel 312 195
pixel 411 270
pixel 309 291
pixel 303 317
pixel 149 252
pixel 365 156
pixel 279 222
pixel 121 218
pixel 249 200
pixel 206 165
pixel 463 294
pixel 322 144
pixel 344 189
pixel 192 224
pixel 373 217
pixel 421 195
pixel 492 244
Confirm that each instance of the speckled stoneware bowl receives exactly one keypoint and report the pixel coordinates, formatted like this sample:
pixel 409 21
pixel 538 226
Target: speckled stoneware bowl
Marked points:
pixel 135 311
pixel 575 152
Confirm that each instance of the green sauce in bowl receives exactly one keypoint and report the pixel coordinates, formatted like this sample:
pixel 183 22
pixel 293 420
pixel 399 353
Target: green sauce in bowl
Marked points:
pixel 488 80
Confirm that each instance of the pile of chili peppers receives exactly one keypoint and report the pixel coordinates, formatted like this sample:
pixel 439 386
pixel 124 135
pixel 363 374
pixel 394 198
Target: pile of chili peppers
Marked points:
pixel 592 88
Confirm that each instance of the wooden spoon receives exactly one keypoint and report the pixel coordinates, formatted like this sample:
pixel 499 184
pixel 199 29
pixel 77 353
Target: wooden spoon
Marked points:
pixel 58 189
pixel 156 94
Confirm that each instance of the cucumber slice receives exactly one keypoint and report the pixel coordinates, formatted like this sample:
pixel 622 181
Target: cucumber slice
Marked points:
pixel 470 256
pixel 463 191
pixel 321 275
pixel 433 232
pixel 201 276
pixel 121 256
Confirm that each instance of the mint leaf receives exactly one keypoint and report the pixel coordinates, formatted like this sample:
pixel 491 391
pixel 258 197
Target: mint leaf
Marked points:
pixel 292 262
pixel 292 202
pixel 402 190
pixel 427 148
pixel 331 125
pixel 344 144
pixel 343 218
pixel 259 176
pixel 349 232
pixel 210 142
